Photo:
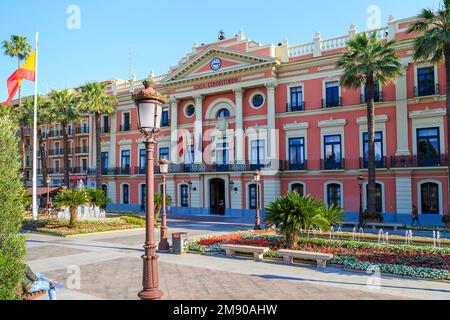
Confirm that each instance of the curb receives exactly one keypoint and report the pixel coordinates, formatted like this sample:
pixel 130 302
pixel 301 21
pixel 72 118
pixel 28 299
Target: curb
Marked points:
pixel 83 234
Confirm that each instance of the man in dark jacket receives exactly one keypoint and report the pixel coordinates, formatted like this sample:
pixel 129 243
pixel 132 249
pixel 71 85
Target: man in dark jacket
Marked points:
pixel 35 282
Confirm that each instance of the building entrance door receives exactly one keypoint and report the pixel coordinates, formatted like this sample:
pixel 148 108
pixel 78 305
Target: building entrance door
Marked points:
pixel 217 197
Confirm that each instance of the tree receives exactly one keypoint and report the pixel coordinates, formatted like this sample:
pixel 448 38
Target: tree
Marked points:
pixel 44 118
pixel 159 203
pixel 72 199
pixel 18 47
pixel 292 213
pixel 433 43
pixel 95 100
pixel 64 109
pixel 12 243
pixel 97 198
pixel 367 61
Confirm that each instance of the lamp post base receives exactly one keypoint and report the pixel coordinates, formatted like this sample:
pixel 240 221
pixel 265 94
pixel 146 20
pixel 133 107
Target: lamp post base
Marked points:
pixel 164 245
pixel 154 294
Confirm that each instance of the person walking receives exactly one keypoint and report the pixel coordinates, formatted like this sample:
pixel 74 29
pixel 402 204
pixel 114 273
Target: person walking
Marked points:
pixel 415 216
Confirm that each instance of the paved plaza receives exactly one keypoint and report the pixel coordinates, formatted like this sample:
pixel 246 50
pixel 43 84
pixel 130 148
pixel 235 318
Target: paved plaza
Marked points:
pixel 110 267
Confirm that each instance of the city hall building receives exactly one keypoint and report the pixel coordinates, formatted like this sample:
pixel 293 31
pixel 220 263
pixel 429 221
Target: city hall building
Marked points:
pixel 237 106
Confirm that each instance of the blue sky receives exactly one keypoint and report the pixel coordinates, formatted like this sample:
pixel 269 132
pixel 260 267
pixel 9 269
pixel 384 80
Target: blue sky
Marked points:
pixel 160 33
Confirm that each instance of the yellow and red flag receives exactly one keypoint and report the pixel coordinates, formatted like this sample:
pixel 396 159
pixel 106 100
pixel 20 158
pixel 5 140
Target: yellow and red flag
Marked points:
pixel 27 71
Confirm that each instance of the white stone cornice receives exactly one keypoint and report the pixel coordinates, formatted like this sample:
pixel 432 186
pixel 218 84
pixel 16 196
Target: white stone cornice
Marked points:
pixel 173 100
pixel 199 98
pixel 427 113
pixel 296 126
pixel 332 123
pixel 378 119
pixel 124 142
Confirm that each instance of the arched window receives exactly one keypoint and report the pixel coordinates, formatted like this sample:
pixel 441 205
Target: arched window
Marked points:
pixel 105 188
pixel 299 188
pixel 126 194
pixel 223 113
pixel 334 194
pixel 184 190
pixel 430 198
pixel 378 197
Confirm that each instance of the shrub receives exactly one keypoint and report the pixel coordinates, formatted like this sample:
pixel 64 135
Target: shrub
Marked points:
pixel 333 214
pixel 71 199
pixel 97 198
pixel 12 244
pixel 134 220
pixel 291 213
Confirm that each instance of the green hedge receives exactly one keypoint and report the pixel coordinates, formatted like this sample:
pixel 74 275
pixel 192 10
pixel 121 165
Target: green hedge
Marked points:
pixel 12 244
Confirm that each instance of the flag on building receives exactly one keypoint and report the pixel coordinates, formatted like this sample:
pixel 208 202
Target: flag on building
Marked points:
pixel 181 146
pixel 27 71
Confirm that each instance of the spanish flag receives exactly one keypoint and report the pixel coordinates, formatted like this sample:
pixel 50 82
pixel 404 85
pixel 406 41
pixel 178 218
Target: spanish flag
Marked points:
pixel 27 71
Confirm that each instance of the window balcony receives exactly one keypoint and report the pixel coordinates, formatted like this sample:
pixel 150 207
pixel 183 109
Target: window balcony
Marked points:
pixel 380 164
pixel 82 150
pixel 106 129
pixel 419 162
pixel 82 130
pixel 56 152
pixel 429 91
pixel 55 134
pixel 379 97
pixel 286 165
pixel 295 107
pixel 332 103
pixel 125 127
pixel 328 164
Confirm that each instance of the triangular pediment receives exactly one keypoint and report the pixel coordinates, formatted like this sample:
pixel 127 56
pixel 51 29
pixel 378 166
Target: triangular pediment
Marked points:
pixel 215 60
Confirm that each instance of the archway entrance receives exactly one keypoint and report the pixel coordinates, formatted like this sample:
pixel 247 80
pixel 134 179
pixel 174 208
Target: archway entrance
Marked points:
pixel 217 196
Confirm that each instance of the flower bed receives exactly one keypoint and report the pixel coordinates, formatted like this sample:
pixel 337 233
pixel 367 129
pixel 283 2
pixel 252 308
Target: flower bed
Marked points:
pixel 61 228
pixel 414 261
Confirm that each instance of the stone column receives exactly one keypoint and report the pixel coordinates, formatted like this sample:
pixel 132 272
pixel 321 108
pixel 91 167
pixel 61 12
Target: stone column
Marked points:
pixel 198 130
pixel 402 116
pixel 272 190
pixel 174 130
pixel 272 140
pixel 239 133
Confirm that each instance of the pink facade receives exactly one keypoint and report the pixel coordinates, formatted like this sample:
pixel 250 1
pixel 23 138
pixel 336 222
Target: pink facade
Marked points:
pixel 300 128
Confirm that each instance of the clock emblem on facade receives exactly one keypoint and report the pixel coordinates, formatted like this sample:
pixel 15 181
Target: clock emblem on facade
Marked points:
pixel 216 64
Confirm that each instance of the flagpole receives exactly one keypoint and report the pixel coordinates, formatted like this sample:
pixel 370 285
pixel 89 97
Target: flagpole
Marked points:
pixel 35 204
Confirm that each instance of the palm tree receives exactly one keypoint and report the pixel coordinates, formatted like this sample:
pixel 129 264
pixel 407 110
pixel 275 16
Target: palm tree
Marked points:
pixel 433 43
pixel 72 199
pixel 292 213
pixel 64 109
pixel 44 118
pixel 17 47
pixel 369 60
pixel 95 100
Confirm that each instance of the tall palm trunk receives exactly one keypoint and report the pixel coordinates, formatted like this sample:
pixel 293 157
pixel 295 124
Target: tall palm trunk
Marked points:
pixel 43 157
pixel 98 151
pixel 66 154
pixel 447 72
pixel 371 191
pixel 73 217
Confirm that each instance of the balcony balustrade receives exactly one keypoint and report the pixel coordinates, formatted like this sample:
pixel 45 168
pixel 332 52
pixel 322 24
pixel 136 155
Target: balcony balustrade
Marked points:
pixel 334 103
pixel 286 165
pixel 431 91
pixel 379 164
pixel 379 97
pixel 328 164
pixel 82 130
pixel 295 107
pixel 418 162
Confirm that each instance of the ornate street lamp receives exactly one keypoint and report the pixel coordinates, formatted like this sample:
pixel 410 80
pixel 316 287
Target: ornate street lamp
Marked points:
pixel 257 178
pixel 48 181
pixel 149 104
pixel 361 213
pixel 164 244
